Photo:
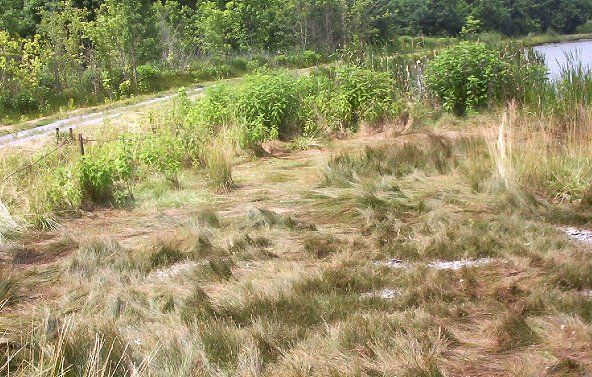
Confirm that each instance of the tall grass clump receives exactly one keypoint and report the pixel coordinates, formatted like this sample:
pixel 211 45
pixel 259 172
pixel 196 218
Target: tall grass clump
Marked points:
pixel 573 93
pixel 525 79
pixel 500 148
pixel 9 225
pixel 219 162
pixel 437 156
pixel 534 152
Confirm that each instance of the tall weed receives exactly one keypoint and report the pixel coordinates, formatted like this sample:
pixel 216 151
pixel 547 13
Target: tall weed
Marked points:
pixel 267 106
pixel 356 95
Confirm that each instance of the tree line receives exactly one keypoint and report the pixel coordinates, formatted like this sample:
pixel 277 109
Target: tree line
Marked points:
pixel 101 47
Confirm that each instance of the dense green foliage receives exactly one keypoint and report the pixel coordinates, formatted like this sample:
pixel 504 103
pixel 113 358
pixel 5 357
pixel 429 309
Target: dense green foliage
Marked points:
pixel 472 75
pixel 67 53
pixel 268 106
pixel 357 95
pixel 466 76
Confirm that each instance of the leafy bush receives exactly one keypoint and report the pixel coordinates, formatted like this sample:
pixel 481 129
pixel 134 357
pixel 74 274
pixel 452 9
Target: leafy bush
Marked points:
pixel 267 106
pixel 148 77
pixel 525 79
pixel 215 109
pixel 101 171
pixel 355 95
pixel 125 88
pixel 163 153
pixel 466 77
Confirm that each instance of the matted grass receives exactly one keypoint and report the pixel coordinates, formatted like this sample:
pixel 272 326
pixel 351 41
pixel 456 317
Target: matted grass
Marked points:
pixel 283 277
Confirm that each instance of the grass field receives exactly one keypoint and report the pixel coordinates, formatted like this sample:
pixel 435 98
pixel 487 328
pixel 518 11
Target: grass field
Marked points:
pixel 322 262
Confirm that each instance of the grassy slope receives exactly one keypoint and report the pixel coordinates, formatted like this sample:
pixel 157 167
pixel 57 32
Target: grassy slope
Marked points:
pixel 283 275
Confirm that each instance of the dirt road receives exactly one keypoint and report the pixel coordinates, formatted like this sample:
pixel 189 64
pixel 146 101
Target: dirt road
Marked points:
pixel 83 120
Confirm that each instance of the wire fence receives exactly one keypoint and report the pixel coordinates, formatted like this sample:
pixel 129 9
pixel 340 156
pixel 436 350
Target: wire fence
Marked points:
pixel 62 141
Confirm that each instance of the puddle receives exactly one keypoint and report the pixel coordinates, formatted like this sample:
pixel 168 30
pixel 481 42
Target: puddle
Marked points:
pixel 582 235
pixel 458 264
pixel 393 263
pixel 175 270
pixel 385 293
pixel 438 265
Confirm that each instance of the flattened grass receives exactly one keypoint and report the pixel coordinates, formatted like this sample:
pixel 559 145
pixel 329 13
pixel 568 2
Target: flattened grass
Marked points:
pixel 261 291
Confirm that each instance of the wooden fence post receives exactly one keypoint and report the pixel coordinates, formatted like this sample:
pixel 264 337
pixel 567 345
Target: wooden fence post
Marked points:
pixel 81 144
pixel 57 135
pixel 71 131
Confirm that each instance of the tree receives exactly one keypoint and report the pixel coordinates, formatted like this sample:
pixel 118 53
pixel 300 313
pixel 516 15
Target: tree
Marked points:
pixel 218 29
pixel 570 14
pixel 124 35
pixel 175 23
pixel 21 17
pixel 20 72
pixel 265 24
pixel 62 31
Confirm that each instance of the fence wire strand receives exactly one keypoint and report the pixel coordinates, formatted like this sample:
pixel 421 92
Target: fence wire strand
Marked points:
pixel 30 165
pixel 57 148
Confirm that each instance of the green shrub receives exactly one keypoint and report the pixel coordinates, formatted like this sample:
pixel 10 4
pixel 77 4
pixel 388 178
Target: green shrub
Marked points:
pixel 148 78
pixel 162 152
pixel 267 106
pixel 356 95
pixel 238 66
pixel 100 172
pixel 125 88
pixel 466 77
pixel 214 109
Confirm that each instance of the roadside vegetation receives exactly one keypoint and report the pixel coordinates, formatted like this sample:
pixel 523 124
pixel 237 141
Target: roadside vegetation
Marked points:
pixel 400 212
pixel 63 54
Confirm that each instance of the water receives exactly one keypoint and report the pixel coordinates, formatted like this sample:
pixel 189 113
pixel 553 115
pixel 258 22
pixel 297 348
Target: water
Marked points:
pixel 556 55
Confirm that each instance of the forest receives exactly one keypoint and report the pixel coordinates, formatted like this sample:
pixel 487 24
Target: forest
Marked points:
pixel 71 53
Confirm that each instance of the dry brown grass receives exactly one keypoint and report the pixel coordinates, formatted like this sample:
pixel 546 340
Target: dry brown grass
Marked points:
pixel 287 275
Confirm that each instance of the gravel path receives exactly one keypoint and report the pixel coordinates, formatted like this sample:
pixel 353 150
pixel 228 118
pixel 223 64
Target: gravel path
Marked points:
pixel 84 120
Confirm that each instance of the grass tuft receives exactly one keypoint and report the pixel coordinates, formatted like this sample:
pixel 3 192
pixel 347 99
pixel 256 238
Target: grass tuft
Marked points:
pixel 512 331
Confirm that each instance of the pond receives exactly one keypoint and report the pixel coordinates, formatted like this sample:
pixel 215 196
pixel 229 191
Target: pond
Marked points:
pixel 556 55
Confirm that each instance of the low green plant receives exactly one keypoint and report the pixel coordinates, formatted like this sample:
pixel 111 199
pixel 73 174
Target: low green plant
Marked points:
pixel 162 152
pixel 104 175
